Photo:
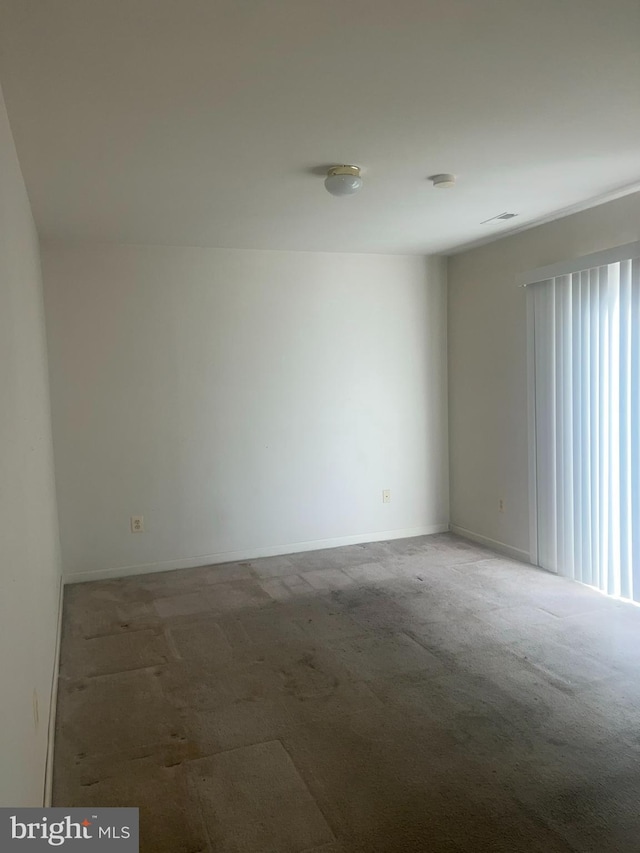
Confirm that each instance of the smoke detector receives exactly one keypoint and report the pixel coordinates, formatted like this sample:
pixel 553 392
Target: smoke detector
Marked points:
pixel 443 182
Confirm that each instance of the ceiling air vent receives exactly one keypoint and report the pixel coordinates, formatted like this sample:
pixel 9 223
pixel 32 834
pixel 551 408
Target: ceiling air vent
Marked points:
pixel 499 216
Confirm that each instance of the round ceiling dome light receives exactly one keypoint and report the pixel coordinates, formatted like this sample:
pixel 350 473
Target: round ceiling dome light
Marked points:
pixel 443 182
pixel 343 180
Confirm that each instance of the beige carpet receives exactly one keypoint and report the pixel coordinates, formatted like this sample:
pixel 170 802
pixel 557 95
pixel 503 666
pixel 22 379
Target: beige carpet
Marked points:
pixel 414 695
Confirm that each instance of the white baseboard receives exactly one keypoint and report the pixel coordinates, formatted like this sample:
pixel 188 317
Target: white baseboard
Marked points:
pixel 53 704
pixel 494 544
pixel 252 553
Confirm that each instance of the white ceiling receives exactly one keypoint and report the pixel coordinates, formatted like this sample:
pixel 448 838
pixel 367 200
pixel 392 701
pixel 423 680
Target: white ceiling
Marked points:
pixel 200 122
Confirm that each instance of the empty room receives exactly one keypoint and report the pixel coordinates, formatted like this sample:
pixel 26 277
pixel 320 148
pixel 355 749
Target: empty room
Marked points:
pixel 320 426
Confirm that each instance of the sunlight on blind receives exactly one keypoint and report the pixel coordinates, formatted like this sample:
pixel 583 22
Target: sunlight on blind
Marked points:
pixel 586 328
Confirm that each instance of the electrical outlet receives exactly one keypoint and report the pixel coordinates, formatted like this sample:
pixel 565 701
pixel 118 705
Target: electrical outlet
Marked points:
pixel 386 496
pixel 137 524
pixel 501 505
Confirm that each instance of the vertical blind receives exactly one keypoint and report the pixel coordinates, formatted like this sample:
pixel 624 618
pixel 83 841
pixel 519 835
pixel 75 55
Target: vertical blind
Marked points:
pixel 586 411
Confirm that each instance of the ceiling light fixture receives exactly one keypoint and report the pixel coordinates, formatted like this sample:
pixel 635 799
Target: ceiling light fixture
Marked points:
pixel 343 180
pixel 443 182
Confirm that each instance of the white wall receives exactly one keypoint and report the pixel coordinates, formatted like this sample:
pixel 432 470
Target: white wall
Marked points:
pixel 243 402
pixel 488 364
pixel 29 558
